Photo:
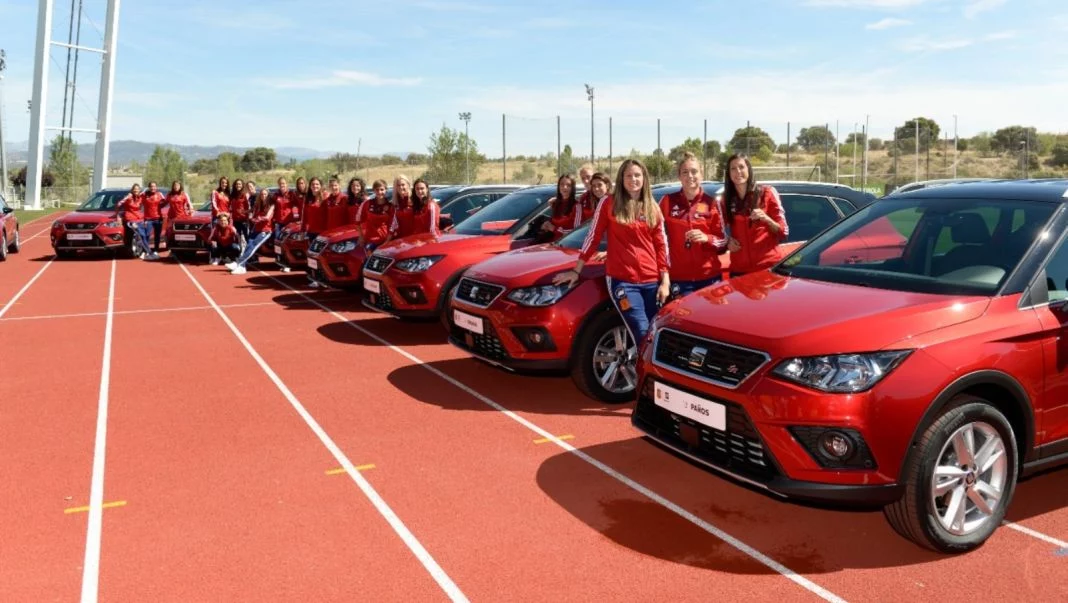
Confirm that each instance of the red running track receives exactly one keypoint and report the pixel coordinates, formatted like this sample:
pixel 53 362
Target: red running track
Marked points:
pixel 220 489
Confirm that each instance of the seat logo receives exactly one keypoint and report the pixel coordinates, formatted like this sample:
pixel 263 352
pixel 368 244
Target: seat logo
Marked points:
pixel 697 357
pixel 474 292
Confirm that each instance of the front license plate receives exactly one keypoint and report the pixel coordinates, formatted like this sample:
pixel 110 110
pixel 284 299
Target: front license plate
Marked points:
pixel 690 406
pixel 185 237
pixel 466 321
pixel 79 237
pixel 278 250
pixel 372 285
pixel 314 265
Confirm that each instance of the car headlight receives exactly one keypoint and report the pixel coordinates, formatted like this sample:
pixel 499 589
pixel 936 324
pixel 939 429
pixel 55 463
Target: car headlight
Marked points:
pixel 298 236
pixel 112 224
pixel 421 264
pixel 543 295
pixel 56 224
pixel 343 246
pixel 841 373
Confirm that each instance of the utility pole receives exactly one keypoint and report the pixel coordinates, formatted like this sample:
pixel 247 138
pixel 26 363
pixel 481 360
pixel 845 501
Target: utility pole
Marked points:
pixel 609 146
pixel 3 143
pixel 867 135
pixel 916 122
pixel 787 144
pixel 466 117
pixel 956 158
pixel 589 93
pixel 704 152
pixel 504 151
pixel 559 156
pixel 837 151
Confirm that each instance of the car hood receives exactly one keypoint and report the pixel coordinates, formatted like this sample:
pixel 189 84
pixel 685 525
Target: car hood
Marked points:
pixel 198 217
pixel 445 244
pixel 787 316
pixel 341 233
pixel 86 216
pixel 530 266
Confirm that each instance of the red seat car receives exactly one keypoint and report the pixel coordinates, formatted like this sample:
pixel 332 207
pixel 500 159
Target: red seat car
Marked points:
pixel 92 227
pixel 536 326
pixel 334 259
pixel 10 237
pixel 411 277
pixel 188 236
pixel 926 381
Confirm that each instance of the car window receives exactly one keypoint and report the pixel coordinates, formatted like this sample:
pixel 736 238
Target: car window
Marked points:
pixel 1056 273
pixel 2 204
pixel 103 201
pixel 575 238
pixel 845 205
pixel 503 216
pixel 807 215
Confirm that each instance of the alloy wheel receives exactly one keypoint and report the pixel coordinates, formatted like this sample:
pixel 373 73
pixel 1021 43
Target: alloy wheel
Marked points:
pixel 614 359
pixel 969 478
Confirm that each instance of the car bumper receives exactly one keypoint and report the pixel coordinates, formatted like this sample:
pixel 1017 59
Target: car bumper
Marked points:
pixel 198 244
pixel 293 253
pixel 101 240
pixel 401 295
pixel 500 341
pixel 342 270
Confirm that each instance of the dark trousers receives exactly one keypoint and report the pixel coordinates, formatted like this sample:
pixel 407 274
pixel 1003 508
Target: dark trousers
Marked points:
pixel 224 252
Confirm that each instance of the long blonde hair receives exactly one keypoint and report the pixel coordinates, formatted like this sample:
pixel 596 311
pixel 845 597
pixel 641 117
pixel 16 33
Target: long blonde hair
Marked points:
pixel 626 210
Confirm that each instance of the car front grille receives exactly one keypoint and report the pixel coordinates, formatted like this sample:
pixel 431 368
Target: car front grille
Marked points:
pixel 317 246
pixel 81 225
pixel 488 345
pixel 378 264
pixel 477 293
pixel 738 449
pixel 382 301
pixel 186 244
pixel 719 363
pixel 95 242
pixel 188 227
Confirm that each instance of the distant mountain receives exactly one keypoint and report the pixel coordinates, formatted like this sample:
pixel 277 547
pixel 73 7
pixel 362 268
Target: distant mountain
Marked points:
pixel 123 152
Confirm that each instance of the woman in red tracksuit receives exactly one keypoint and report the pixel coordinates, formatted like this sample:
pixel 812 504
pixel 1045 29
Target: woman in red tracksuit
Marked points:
pixel 335 207
pixel 260 226
pixel 756 219
pixel 297 199
pixel 566 214
pixel 587 201
pixel 152 203
pixel 132 211
pixel 281 207
pixel 377 219
pixel 240 208
pixel 638 262
pixel 220 199
pixel 313 219
pixel 694 225
pixel 402 203
pixel 425 210
pixel 177 203
pixel 356 195
pixel 223 241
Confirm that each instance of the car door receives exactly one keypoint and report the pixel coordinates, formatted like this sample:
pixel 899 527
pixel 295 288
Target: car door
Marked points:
pixel 1049 295
pixel 806 216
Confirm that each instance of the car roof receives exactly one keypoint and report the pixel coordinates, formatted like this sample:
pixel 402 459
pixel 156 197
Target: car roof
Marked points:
pixel 1052 190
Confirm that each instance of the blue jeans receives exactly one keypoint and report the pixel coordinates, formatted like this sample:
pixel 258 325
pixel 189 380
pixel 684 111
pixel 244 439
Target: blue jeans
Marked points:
pixel 252 247
pixel 684 288
pixel 636 303
pixel 140 231
pixel 154 226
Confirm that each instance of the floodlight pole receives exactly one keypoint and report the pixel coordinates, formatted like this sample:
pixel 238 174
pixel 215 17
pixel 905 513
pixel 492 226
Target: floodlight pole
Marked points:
pixel 589 94
pixel 466 117
pixel 3 147
pixel 107 87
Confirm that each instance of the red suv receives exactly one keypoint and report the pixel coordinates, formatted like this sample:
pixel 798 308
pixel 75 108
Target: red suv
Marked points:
pixel 93 226
pixel 334 259
pixel 190 235
pixel 537 326
pixel 411 277
pixel 10 238
pixel 925 381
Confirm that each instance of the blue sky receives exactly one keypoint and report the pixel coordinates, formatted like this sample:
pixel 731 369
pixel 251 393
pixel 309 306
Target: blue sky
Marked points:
pixel 335 74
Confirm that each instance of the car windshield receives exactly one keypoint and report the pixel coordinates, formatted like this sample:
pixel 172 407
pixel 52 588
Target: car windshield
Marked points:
pixel 103 201
pixel 924 245
pixel 575 239
pixel 505 215
pixel 443 194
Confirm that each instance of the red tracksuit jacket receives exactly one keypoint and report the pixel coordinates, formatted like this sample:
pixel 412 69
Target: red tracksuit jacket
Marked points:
pixel 637 252
pixel 760 248
pixel 700 261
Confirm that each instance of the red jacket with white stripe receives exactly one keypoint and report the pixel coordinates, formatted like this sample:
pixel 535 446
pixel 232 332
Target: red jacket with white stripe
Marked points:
pixel 223 236
pixel 131 207
pixel 699 261
pixel 220 202
pixel 637 252
pixel 426 221
pixel 563 219
pixel 760 247
pixel 377 221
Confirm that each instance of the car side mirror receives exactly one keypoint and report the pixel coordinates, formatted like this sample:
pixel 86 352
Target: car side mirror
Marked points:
pixel 1060 305
pixel 8 210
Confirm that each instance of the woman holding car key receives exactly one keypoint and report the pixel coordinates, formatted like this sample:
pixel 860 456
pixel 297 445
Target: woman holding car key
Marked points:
pixel 756 219
pixel 695 232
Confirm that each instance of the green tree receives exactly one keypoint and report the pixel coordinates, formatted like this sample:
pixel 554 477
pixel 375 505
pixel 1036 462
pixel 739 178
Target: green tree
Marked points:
pixel 205 166
pixel 1060 155
pixel 752 141
pixel 659 166
pixel 712 149
pixel 226 165
pixel 815 138
pixel 416 159
pixel 982 143
pixel 259 159
pixel 692 145
pixel 19 178
pixel 1014 139
pixel 69 174
pixel 391 160
pixel 566 164
pixel 907 132
pixel 452 156
pixel 856 138
pixel 164 166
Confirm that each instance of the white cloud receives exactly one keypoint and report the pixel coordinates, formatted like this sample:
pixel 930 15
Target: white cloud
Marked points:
pixel 925 44
pixel 892 4
pixel 887 23
pixel 340 78
pixel 979 6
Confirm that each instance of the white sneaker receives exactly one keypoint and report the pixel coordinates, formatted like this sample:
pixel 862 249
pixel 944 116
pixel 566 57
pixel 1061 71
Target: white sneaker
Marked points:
pixel 313 284
pixel 231 265
pixel 214 262
pixel 238 270
pixel 286 269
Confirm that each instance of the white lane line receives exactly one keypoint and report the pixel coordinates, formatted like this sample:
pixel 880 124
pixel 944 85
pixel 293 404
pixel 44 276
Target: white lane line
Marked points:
pixel 435 570
pixel 24 288
pixel 91 567
pixel 152 310
pixel 756 555
pixel 1035 534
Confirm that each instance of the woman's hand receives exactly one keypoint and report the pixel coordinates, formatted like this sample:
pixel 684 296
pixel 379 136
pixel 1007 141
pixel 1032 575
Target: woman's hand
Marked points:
pixel 760 216
pixel 663 292
pixel 569 278
pixel 696 236
pixel 547 226
pixel 600 256
pixel 733 245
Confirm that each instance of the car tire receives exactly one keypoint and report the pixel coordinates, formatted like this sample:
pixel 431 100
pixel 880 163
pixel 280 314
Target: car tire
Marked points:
pixel 588 367
pixel 16 245
pixel 971 424
pixel 3 245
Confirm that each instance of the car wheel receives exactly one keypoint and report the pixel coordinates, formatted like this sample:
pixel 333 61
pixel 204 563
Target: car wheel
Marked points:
pixel 3 245
pixel 959 480
pixel 605 357
pixel 16 246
